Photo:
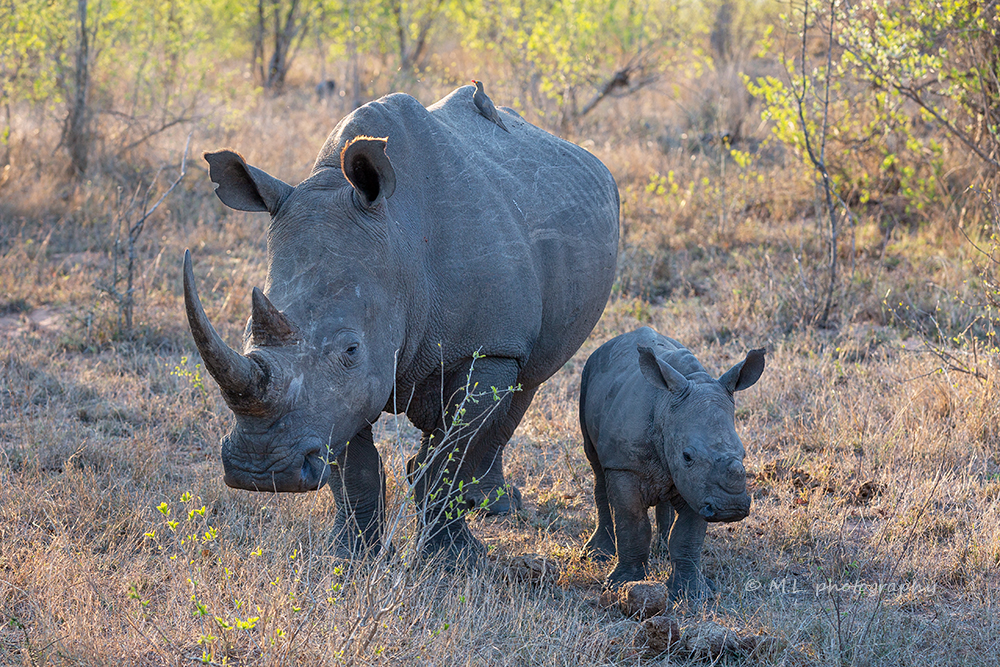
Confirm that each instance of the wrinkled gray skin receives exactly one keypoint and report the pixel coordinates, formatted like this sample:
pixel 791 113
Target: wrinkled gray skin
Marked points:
pixel 658 431
pixel 421 237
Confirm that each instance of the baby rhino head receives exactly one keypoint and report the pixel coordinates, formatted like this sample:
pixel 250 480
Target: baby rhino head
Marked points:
pixel 695 414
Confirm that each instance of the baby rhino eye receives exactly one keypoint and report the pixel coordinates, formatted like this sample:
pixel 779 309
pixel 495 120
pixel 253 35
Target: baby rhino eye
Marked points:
pixel 349 354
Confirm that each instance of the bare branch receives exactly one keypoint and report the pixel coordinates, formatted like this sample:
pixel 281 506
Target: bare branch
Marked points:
pixel 624 80
pixel 126 300
pixel 914 96
pixel 173 185
pixel 152 133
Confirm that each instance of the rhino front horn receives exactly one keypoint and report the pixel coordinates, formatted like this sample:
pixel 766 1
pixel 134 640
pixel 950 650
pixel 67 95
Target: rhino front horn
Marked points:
pixel 240 378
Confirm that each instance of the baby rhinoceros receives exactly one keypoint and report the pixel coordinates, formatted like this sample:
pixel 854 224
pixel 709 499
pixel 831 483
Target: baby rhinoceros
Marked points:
pixel 658 431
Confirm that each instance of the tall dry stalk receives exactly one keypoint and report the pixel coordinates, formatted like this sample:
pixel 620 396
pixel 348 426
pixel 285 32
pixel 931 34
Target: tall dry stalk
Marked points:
pixel 137 208
pixel 818 159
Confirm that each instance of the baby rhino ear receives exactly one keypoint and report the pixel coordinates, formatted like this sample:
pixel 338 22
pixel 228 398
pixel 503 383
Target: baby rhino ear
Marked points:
pixel 659 373
pixel 744 374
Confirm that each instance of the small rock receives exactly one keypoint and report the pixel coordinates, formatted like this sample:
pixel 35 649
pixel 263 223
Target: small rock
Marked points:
pixel 709 639
pixel 609 598
pixel 759 646
pixel 864 493
pixel 534 568
pixel 643 599
pixel 658 634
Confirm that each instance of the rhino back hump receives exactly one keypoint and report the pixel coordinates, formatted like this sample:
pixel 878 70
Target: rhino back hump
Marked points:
pixel 516 235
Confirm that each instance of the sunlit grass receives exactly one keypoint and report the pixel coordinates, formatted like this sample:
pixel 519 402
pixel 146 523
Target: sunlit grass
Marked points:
pixel 874 536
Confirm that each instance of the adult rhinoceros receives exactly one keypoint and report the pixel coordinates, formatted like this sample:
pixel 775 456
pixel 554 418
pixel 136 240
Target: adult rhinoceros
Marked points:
pixel 425 242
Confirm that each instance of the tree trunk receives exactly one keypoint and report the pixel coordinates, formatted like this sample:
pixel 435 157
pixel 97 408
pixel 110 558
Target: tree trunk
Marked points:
pixel 283 36
pixel 257 59
pixel 352 46
pixel 8 132
pixel 411 55
pixel 404 58
pixel 77 130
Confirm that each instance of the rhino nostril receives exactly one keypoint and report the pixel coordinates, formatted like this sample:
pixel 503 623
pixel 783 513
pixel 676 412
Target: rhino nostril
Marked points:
pixel 312 468
pixel 708 511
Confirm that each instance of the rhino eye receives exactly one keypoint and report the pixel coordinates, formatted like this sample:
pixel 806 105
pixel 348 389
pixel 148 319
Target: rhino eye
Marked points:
pixel 344 346
pixel 687 458
pixel 349 352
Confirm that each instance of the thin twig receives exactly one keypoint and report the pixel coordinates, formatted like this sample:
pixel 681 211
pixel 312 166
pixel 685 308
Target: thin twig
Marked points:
pixel 152 133
pixel 906 545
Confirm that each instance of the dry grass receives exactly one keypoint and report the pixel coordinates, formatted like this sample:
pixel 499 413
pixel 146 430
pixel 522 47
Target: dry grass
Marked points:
pixel 874 537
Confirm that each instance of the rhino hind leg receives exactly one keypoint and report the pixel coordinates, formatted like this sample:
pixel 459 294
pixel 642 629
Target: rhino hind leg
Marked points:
pixel 500 496
pixel 601 545
pixel 358 485
pixel 443 469
pixel 493 491
pixel 632 530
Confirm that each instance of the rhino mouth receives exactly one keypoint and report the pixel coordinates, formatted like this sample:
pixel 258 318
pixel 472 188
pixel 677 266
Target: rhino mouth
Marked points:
pixel 725 508
pixel 306 469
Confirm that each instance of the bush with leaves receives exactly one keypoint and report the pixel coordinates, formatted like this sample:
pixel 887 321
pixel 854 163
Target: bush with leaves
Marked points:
pixel 569 55
pixel 909 83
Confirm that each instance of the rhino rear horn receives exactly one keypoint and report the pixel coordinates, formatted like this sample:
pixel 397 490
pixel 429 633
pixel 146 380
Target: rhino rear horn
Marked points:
pixel 268 325
pixel 240 378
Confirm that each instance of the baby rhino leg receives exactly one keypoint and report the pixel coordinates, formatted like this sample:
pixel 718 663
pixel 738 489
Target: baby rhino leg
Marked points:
pixel 630 514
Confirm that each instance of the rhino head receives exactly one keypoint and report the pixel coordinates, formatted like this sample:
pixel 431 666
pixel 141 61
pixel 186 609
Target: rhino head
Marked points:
pixel 319 369
pixel 699 441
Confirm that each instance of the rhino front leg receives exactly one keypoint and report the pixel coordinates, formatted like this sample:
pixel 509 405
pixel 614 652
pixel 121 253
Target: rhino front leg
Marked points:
pixel 630 515
pixel 358 485
pixel 443 469
pixel 501 497
pixel 664 521
pixel 685 543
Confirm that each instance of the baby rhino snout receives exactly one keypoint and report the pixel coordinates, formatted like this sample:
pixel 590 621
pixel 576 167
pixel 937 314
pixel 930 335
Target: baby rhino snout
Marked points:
pixel 734 477
pixel 726 509
pixel 730 501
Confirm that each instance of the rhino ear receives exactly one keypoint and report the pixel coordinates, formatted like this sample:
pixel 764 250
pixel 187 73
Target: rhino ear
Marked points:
pixel 659 373
pixel 367 169
pixel 243 187
pixel 744 374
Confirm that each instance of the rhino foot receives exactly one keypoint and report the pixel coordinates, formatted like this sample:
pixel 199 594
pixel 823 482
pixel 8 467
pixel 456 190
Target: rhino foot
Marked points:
pixel 597 555
pixel 624 574
pixel 693 588
pixel 600 548
pixel 456 546
pixel 346 545
pixel 504 500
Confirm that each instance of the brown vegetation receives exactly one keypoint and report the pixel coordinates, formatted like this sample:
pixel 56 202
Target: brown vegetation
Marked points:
pixel 874 537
